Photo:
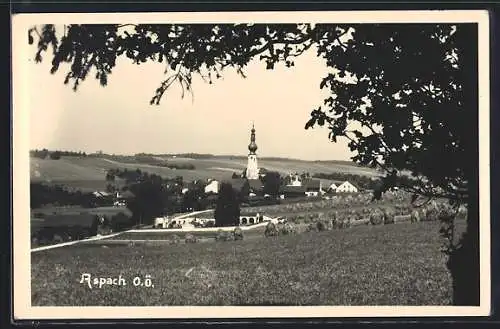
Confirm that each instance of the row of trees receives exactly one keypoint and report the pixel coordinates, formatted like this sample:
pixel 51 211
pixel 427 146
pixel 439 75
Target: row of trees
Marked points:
pixel 55 155
pixel 56 195
pixel 227 210
pixel 157 196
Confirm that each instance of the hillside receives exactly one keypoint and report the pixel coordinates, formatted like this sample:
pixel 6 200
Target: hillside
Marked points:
pixel 88 173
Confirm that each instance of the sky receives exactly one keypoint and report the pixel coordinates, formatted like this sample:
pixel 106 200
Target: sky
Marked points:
pixel 217 119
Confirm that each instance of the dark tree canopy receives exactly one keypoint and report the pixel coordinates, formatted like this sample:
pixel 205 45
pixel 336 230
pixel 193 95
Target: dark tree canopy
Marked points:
pixel 404 95
pixel 272 183
pixel 227 210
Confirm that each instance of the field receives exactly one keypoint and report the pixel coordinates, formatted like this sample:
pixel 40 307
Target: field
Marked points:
pixel 399 264
pixel 88 173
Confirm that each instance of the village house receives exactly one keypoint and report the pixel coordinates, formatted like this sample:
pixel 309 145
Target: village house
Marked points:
pixel 212 187
pixel 292 191
pixel 346 187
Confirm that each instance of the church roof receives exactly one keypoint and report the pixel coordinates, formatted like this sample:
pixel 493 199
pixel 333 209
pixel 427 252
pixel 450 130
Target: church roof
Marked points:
pixel 127 194
pixel 312 183
pixel 237 183
pixel 252 147
pixel 292 189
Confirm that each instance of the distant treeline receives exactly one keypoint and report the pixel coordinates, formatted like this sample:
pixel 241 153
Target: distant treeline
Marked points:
pixel 363 182
pixel 148 160
pixel 180 155
pixel 56 154
pixel 239 157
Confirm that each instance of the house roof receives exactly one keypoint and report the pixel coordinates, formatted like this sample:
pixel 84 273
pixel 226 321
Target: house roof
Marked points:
pixel 237 183
pixel 255 184
pixel 312 183
pixel 127 194
pixel 101 194
pixel 356 186
pixel 293 189
pixel 328 182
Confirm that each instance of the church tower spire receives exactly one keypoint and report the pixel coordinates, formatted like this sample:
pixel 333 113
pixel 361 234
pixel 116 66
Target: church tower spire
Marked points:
pixel 252 147
pixel 252 167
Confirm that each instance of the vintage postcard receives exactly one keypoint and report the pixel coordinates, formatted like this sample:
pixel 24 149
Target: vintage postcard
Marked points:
pixel 251 165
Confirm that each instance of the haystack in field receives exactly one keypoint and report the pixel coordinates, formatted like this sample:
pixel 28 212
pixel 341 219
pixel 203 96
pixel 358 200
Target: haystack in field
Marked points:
pixel 389 214
pixel 271 230
pixel 376 217
pixel 238 233
pixel 190 238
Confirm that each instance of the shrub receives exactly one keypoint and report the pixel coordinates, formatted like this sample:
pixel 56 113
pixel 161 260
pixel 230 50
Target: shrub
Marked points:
pixel 320 226
pixel 376 217
pixel 238 233
pixel 271 230
pixel 190 238
pixel 311 228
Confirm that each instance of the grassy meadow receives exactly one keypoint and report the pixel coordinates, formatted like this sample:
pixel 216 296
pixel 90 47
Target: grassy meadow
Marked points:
pixel 89 173
pixel 399 264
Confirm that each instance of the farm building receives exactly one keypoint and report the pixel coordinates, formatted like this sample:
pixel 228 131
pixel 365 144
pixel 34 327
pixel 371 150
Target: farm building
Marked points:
pixel 212 187
pixel 102 194
pixel 346 187
pixel 289 191
pixel 312 186
pixel 294 180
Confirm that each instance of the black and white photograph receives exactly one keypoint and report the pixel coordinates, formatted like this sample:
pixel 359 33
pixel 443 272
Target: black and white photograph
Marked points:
pixel 286 164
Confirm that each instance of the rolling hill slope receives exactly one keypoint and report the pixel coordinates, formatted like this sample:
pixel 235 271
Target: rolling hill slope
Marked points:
pixel 89 173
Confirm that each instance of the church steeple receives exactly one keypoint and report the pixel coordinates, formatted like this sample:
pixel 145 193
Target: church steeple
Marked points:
pixel 252 147
pixel 252 171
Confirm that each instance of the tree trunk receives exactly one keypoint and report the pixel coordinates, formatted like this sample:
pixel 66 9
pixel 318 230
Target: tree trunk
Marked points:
pixel 463 263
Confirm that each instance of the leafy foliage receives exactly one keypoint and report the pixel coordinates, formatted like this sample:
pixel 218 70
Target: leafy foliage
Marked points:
pixel 42 194
pixel 227 210
pixel 272 183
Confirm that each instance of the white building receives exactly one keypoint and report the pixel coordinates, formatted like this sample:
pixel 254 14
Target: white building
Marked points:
pixel 252 171
pixel 295 180
pixel 212 187
pixel 346 187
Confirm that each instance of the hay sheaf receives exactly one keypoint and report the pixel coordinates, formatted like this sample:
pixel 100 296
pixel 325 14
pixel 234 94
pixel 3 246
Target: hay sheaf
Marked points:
pixel 389 215
pixel 377 217
pixel 175 239
pixel 238 233
pixel 225 235
pixel 190 238
pixel 415 216
pixel 271 230
pixel 286 229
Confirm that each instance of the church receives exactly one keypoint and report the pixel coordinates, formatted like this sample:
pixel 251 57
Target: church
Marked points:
pixel 250 183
